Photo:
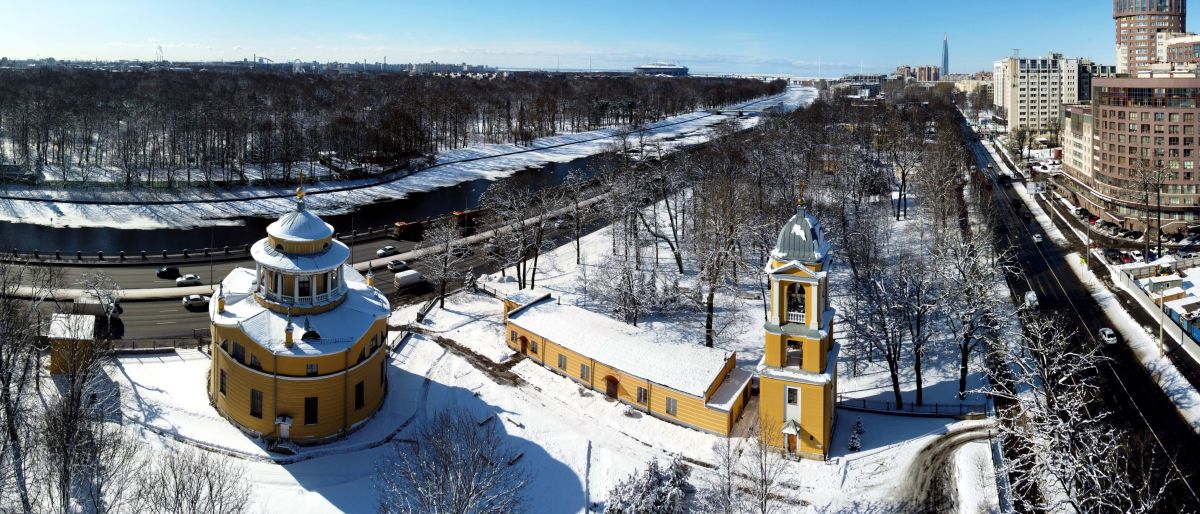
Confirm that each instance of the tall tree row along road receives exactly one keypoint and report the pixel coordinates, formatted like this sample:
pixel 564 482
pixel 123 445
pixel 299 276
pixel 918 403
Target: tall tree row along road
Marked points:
pixel 1129 390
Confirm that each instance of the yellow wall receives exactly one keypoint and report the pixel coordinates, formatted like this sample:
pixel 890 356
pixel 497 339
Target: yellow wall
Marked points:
pixel 333 387
pixel 334 393
pixel 300 247
pixel 816 418
pixel 691 410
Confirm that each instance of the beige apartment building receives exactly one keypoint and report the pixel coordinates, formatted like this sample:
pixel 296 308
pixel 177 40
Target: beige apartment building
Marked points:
pixel 1030 92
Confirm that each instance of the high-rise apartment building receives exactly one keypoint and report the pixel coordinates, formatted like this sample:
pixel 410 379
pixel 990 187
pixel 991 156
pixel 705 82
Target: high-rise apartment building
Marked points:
pixel 1030 92
pixel 928 73
pixel 1137 24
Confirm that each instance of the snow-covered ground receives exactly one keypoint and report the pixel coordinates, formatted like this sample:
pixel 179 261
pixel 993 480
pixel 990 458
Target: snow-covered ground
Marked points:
pixel 194 207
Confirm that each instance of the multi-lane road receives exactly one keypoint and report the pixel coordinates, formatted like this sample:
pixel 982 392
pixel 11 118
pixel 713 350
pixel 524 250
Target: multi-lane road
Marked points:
pixel 1128 390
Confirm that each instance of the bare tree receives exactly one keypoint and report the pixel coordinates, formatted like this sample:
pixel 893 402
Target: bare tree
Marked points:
pixel 449 250
pixel 190 480
pixel 455 466
pixel 763 467
pixel 721 493
pixel 21 324
pixel 878 316
pixel 1072 455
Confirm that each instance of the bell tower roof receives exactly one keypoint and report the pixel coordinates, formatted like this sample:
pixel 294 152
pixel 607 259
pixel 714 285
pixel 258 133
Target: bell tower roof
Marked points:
pixel 801 239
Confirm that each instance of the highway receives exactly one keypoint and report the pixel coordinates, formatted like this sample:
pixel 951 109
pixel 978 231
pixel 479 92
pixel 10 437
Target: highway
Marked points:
pixel 1127 389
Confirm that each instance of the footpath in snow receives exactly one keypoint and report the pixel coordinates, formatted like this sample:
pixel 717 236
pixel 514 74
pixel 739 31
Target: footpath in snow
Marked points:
pixel 192 208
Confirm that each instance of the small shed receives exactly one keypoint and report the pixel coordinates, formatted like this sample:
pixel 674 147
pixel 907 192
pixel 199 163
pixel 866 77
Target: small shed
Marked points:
pixel 71 337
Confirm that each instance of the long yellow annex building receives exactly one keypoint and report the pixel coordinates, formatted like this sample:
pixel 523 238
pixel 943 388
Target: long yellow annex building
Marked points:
pixel 686 384
pixel 298 342
pixel 798 373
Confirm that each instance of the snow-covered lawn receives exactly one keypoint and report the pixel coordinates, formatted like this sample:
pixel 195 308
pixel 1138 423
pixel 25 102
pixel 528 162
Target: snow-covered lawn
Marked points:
pixel 196 207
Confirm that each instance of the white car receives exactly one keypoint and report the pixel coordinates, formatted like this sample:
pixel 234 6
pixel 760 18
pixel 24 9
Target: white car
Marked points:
pixel 1031 300
pixel 1037 238
pixel 1137 255
pixel 386 251
pixel 195 300
pixel 188 280
pixel 1107 336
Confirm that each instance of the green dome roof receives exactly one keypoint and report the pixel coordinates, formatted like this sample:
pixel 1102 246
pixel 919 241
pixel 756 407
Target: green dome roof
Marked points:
pixel 801 239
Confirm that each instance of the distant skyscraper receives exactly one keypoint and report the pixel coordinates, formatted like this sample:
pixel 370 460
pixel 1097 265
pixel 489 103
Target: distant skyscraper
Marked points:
pixel 945 55
pixel 1137 23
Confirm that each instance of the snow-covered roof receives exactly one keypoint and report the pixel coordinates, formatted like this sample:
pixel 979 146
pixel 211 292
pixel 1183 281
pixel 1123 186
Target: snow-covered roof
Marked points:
pixel 330 258
pixel 687 368
pixel 526 296
pixel 801 239
pixel 300 225
pixel 76 327
pixel 727 394
pixel 338 328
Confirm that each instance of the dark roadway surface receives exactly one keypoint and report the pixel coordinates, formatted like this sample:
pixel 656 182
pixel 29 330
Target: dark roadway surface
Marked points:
pixel 1127 388
pixel 168 319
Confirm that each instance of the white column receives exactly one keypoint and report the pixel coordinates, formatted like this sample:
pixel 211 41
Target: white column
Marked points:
pixel 296 289
pixel 312 289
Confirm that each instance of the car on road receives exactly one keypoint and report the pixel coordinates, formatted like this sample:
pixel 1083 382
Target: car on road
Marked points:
pixel 386 251
pixel 397 265
pixel 169 272
pixel 1107 336
pixel 187 280
pixel 195 300
pixel 1037 238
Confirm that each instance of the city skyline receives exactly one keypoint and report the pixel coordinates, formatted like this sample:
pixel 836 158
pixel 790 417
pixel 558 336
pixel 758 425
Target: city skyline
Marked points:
pixel 871 36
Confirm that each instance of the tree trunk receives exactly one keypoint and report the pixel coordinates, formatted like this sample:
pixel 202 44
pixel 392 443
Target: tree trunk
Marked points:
pixel 894 370
pixel 917 375
pixel 964 351
pixel 708 310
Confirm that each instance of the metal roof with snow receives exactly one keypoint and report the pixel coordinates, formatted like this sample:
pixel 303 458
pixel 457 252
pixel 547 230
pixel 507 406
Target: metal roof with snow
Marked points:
pixel 801 239
pixel 688 368
pixel 300 225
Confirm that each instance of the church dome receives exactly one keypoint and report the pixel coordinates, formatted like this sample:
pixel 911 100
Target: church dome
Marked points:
pixel 801 239
pixel 300 225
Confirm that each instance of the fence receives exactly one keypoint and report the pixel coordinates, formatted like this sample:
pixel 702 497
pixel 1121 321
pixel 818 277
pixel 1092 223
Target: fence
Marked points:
pixel 1184 330
pixel 957 410
pixel 147 345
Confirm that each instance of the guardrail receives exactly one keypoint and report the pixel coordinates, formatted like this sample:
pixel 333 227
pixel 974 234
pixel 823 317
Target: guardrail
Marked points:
pixel 164 344
pixel 956 410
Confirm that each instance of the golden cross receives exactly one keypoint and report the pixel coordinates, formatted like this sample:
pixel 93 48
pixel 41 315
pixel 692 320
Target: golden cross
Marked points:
pixel 800 195
pixel 300 190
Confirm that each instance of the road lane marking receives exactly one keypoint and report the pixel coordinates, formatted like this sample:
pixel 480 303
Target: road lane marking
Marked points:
pixel 165 322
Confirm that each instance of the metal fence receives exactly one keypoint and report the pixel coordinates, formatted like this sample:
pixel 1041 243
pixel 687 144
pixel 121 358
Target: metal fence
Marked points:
pixel 145 345
pixel 956 410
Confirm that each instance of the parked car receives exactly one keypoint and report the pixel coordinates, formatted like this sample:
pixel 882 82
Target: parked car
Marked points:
pixel 188 280
pixel 1107 336
pixel 1112 255
pixel 386 251
pixel 1031 300
pixel 1137 255
pixel 397 265
pixel 169 272
pixel 195 300
pixel 461 252
pixel 1037 238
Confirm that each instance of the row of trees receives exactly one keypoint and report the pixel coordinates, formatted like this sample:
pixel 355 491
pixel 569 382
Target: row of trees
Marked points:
pixel 156 126
pixel 63 444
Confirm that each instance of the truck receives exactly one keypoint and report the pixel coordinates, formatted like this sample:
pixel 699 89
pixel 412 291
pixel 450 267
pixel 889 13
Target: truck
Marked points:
pixel 407 279
pixel 408 230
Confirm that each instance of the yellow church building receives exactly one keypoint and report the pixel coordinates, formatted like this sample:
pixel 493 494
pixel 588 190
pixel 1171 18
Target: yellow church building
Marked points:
pixel 654 373
pixel 798 372
pixel 298 342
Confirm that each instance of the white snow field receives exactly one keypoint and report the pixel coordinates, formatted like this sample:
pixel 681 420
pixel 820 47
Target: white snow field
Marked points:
pixel 490 162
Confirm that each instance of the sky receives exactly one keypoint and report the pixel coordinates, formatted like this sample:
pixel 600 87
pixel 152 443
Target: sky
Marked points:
pixel 798 37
